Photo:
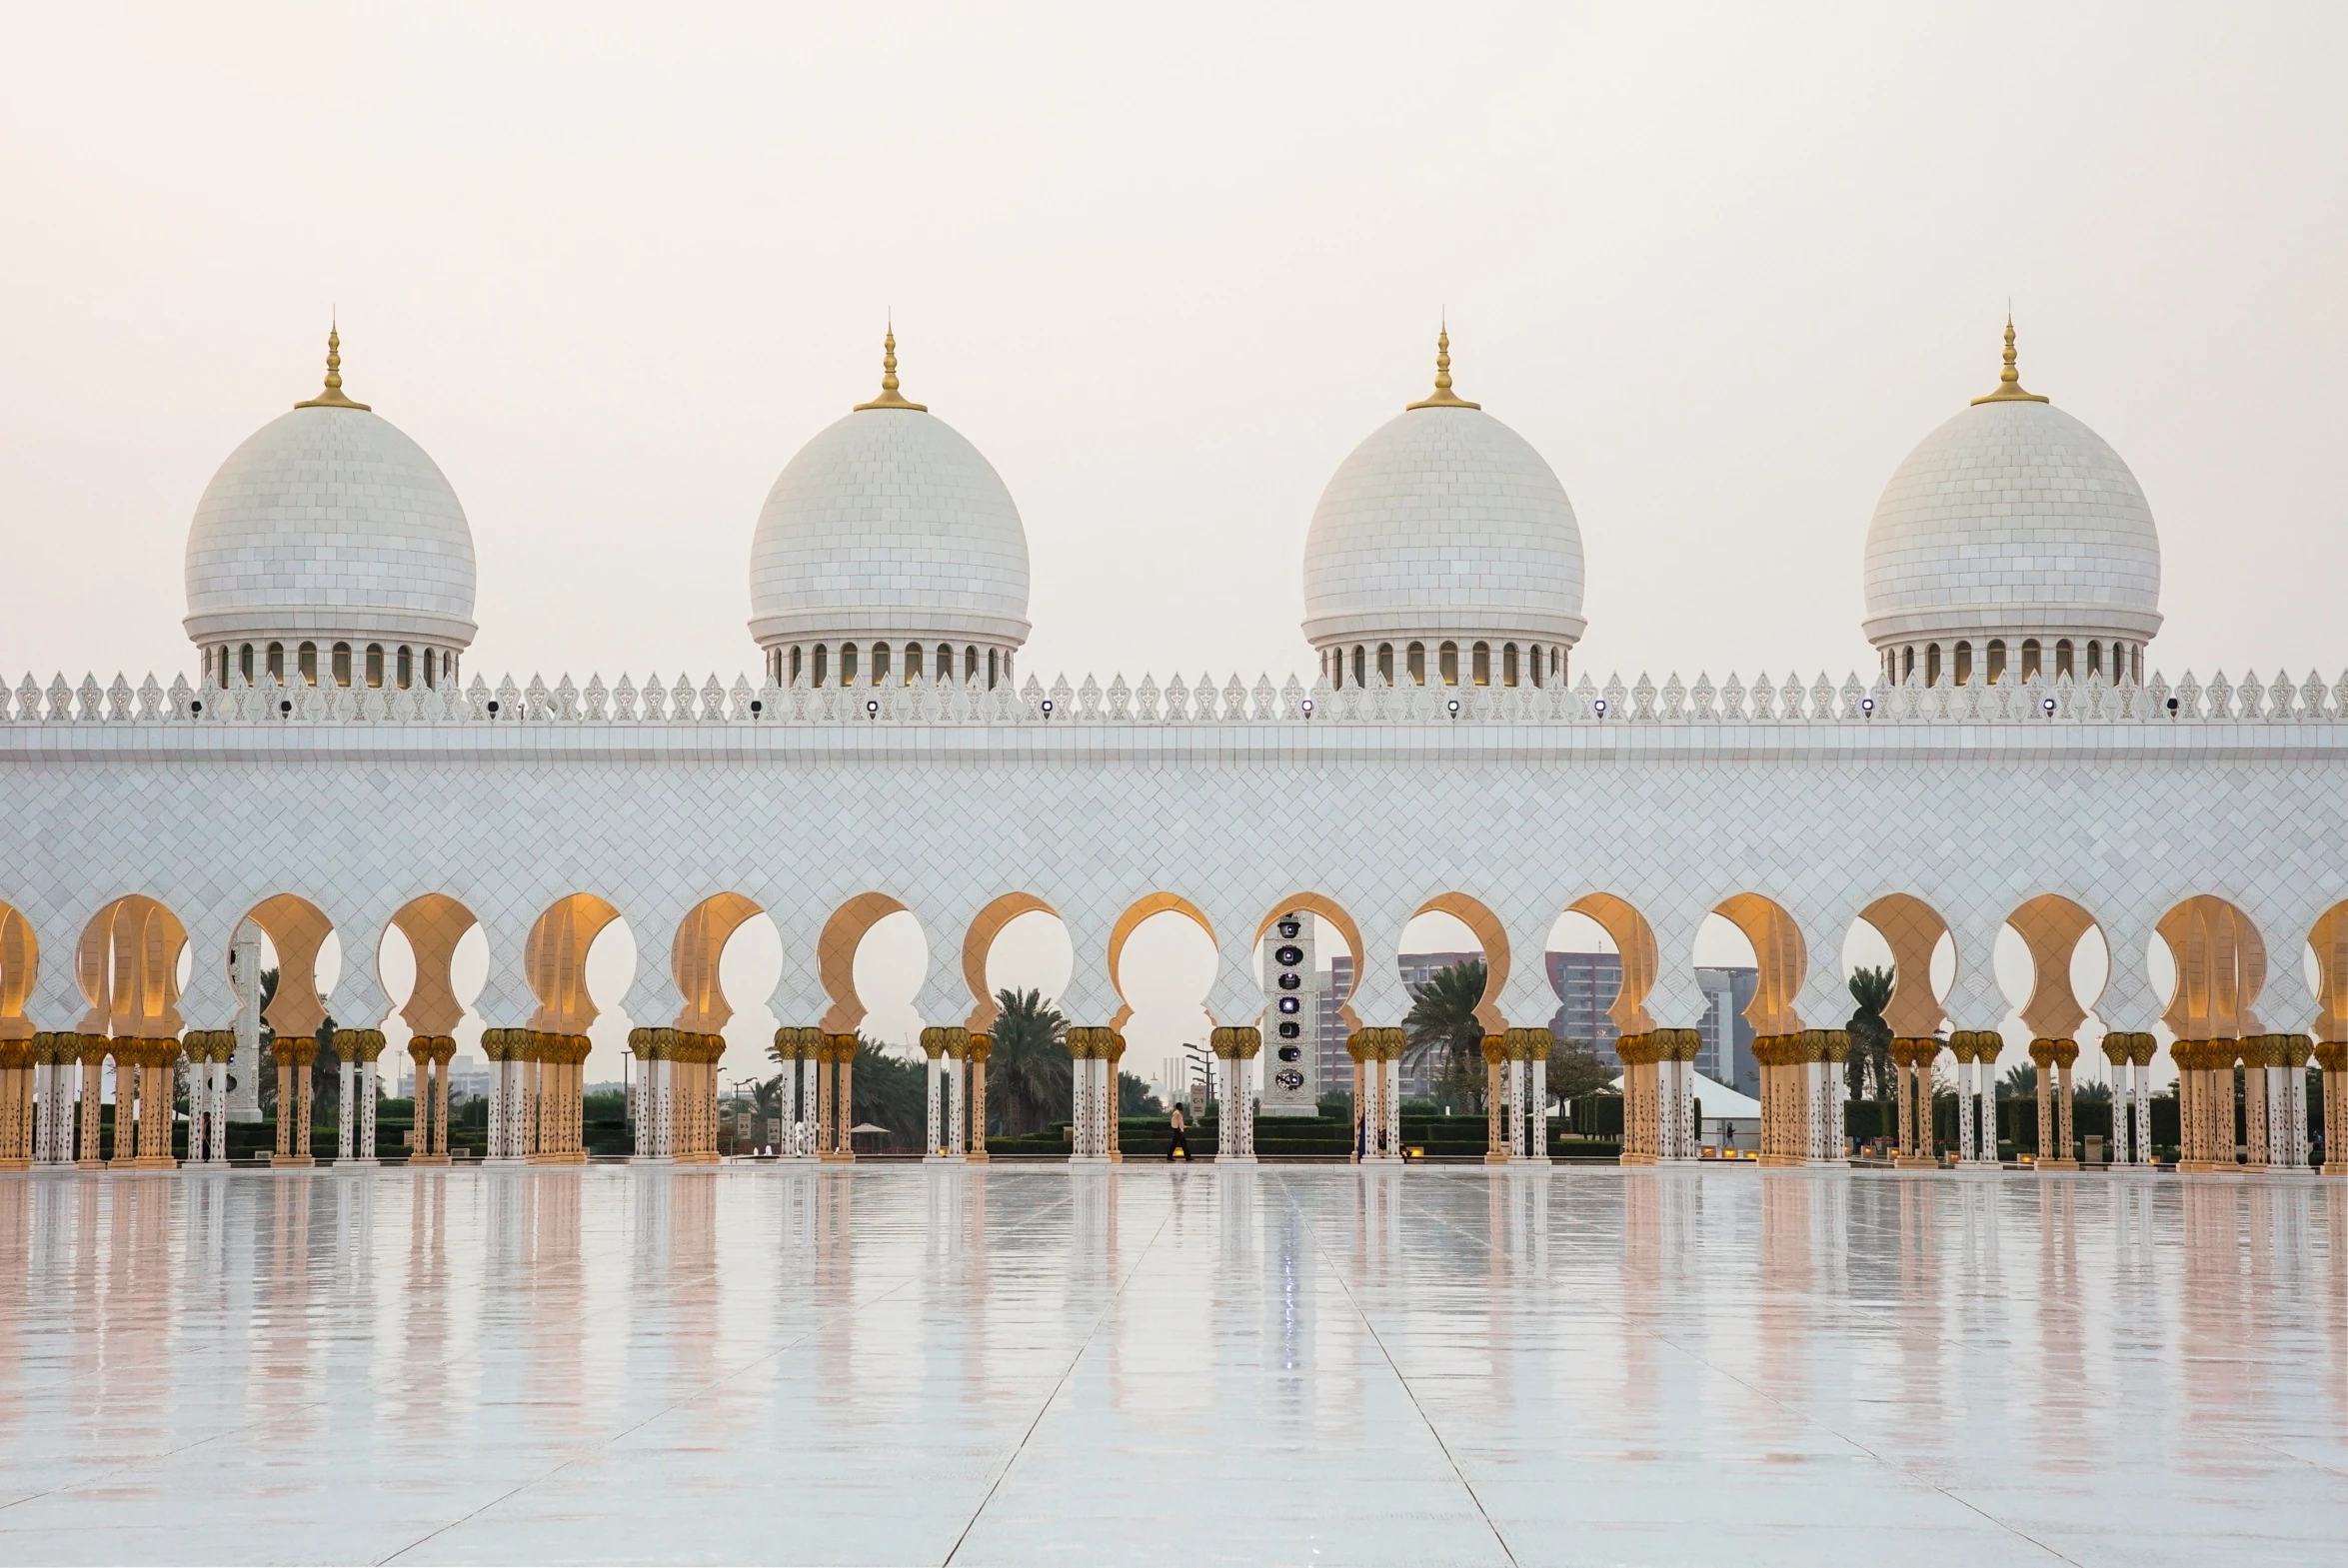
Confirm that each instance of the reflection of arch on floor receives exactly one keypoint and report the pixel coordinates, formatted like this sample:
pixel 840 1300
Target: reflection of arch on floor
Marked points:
pixel 20 953
pixel 2329 939
pixel 128 966
pixel 2051 927
pixel 432 926
pixel 1634 942
pixel 297 928
pixel 1128 923
pixel 2221 967
pixel 979 940
pixel 1912 929
pixel 1323 906
pixel 1780 957
pixel 1492 936
pixel 701 941
pixel 836 948
pixel 553 961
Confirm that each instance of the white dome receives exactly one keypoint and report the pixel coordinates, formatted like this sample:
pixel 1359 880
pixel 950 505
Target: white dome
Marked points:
pixel 1445 521
pixel 330 522
pixel 889 524
pixel 2012 519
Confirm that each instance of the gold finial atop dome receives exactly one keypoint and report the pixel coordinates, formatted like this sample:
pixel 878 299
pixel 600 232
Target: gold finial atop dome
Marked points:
pixel 1444 397
pixel 332 397
pixel 889 397
pixel 2009 379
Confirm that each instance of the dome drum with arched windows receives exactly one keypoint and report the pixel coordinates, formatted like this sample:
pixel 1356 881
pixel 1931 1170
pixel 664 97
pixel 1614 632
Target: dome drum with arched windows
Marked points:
pixel 330 548
pixel 889 551
pixel 1443 550
pixel 2013 542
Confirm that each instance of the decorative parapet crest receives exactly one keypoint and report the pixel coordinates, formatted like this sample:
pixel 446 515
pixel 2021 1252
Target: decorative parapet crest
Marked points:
pixel 2274 700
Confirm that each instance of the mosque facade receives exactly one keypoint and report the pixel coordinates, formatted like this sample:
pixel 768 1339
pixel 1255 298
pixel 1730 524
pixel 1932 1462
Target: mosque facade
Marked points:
pixel 2012 758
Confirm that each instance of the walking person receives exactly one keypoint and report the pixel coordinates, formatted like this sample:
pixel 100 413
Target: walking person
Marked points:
pixel 1180 1143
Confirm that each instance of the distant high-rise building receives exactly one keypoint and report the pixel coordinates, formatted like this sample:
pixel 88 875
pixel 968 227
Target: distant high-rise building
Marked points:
pixel 1586 984
pixel 1726 1056
pixel 1336 1069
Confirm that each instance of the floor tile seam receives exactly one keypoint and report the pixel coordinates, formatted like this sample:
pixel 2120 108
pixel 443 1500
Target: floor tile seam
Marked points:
pixel 1042 1410
pixel 1796 1410
pixel 1344 1287
pixel 810 1334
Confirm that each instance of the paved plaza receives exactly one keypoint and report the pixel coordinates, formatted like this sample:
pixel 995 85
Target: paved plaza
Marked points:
pixel 1021 1366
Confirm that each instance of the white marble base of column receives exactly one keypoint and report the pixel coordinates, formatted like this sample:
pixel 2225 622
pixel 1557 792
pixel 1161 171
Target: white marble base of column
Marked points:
pixel 1249 1159
pixel 1099 1161
pixel 637 1160
pixel 941 1160
pixel 362 1162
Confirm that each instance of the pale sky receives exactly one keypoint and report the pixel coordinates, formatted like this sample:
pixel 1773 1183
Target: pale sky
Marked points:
pixel 1722 266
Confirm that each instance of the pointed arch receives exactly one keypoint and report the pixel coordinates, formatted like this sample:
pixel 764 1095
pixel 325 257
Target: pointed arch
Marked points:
pixel 979 940
pixel 128 966
pixel 20 960
pixel 2221 967
pixel 1780 955
pixel 835 950
pixel 1492 936
pixel 1912 929
pixel 2329 939
pixel 553 961
pixel 2051 926
pixel 1635 943
pixel 297 928
pixel 693 960
pixel 432 926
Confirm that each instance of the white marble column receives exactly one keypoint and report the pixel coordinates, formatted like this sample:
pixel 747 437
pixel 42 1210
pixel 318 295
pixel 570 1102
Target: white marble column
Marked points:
pixel 1390 1101
pixel 934 1084
pixel 957 1112
pixel 367 1091
pixel 1538 1134
pixel 500 1088
pixel 345 1123
pixel 1515 1107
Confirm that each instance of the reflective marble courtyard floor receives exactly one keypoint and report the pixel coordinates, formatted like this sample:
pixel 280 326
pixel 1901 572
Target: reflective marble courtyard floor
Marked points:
pixel 1034 1365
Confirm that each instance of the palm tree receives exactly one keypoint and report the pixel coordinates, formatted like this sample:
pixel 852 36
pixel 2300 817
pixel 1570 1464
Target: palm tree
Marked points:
pixel 2021 1082
pixel 1444 1031
pixel 891 1091
pixel 1028 1076
pixel 1870 1036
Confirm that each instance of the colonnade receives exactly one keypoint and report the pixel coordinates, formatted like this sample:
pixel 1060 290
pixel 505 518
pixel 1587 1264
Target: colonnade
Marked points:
pixel 1377 1094
pixel 1976 1054
pixel 427 1139
pixel 537 1099
pixel 676 1095
pixel 1094 1054
pixel 1659 1095
pixel 2273 1104
pixel 1802 1096
pixel 1237 1046
pixel 1516 1090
